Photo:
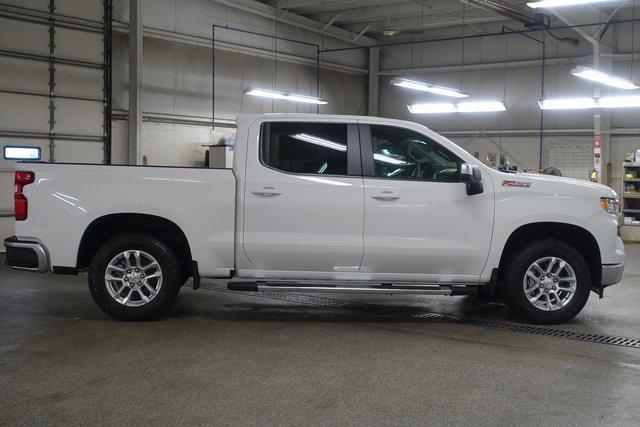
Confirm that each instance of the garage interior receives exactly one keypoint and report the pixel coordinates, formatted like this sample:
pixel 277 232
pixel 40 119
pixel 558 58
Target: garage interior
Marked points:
pixel 159 83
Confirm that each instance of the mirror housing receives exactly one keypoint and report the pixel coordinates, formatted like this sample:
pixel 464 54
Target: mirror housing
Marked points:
pixel 472 176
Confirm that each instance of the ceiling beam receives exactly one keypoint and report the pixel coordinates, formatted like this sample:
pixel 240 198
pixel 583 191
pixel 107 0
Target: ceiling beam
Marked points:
pixel 416 24
pixel 581 31
pixel 331 21
pixel 393 11
pixel 325 5
pixel 508 10
pixel 364 30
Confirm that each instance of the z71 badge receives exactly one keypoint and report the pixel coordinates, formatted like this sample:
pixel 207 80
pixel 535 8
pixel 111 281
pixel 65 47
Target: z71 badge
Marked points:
pixel 511 183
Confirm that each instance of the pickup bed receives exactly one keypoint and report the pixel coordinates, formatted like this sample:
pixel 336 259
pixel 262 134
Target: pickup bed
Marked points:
pixel 322 203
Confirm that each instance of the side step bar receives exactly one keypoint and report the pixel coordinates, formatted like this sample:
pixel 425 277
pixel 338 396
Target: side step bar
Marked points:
pixel 382 288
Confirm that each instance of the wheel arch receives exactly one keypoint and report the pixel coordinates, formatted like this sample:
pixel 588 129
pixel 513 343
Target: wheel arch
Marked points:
pixel 107 226
pixel 575 236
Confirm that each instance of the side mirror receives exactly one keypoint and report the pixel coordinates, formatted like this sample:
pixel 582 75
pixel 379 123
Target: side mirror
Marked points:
pixel 472 176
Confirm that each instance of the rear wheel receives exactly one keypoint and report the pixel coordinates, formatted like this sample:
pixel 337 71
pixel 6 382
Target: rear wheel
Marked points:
pixel 547 282
pixel 134 277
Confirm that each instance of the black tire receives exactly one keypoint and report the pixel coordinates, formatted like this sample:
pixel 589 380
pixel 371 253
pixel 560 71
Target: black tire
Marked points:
pixel 168 265
pixel 516 269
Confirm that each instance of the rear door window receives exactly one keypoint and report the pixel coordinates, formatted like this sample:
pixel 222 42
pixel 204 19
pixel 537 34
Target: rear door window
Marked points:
pixel 305 148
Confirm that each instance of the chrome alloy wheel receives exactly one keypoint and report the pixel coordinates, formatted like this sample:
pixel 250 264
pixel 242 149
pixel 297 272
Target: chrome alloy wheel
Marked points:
pixel 549 283
pixel 133 278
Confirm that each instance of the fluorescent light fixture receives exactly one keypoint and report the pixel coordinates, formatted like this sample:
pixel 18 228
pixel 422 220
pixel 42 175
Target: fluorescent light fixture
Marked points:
pixel 319 141
pixel 619 102
pixel 560 3
pixel 568 104
pixel 481 106
pixel 432 108
pixel 590 103
pixel 22 153
pixel 462 107
pixel 603 78
pixel 293 97
pixel 427 87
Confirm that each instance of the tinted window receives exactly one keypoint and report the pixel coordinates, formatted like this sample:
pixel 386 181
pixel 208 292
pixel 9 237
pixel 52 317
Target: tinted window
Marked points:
pixel 315 148
pixel 403 154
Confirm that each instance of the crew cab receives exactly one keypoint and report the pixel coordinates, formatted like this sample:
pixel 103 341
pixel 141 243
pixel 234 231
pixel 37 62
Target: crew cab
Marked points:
pixel 321 203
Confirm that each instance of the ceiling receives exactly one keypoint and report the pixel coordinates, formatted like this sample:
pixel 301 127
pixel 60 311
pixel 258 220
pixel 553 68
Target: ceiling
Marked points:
pixel 375 17
pixel 384 19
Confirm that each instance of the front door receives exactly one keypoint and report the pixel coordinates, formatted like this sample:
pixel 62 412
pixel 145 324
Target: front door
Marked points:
pixel 304 208
pixel 419 221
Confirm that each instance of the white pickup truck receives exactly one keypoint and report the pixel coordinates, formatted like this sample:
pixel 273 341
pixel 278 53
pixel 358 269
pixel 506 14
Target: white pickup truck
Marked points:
pixel 321 203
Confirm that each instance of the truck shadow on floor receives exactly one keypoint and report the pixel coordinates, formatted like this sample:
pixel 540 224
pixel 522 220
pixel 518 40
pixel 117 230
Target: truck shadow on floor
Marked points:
pixel 332 308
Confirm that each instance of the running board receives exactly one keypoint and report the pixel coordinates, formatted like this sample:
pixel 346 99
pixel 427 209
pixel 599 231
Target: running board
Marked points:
pixel 377 288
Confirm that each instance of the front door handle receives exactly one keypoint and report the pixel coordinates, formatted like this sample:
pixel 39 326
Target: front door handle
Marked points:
pixel 266 192
pixel 386 196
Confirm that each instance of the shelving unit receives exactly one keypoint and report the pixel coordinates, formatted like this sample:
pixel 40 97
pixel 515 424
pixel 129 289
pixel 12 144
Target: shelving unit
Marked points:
pixel 630 203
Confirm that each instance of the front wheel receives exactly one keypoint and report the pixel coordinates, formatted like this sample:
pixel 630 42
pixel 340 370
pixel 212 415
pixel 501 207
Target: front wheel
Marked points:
pixel 134 277
pixel 547 282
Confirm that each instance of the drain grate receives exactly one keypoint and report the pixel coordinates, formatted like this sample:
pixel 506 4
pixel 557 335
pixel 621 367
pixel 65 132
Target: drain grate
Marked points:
pixel 416 314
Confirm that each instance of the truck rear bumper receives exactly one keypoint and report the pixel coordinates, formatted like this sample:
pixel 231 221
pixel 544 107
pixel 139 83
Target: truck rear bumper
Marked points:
pixel 611 274
pixel 26 255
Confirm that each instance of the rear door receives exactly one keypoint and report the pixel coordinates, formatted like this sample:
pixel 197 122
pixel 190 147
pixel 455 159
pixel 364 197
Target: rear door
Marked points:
pixel 304 208
pixel 419 221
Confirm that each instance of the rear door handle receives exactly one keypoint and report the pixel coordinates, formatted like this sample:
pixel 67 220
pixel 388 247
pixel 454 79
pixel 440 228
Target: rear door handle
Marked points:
pixel 266 192
pixel 386 196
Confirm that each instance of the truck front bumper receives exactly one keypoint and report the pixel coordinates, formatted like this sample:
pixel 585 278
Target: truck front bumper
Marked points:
pixel 26 254
pixel 611 274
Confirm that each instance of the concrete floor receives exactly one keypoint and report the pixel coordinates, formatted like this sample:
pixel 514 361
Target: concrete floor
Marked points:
pixel 224 358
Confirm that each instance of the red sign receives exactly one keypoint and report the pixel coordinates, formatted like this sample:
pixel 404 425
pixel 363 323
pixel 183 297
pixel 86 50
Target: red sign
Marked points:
pixel 597 141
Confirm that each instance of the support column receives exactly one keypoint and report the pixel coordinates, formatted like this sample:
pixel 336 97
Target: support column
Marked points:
pixel 107 78
pixel 52 81
pixel 374 81
pixel 135 81
pixel 601 119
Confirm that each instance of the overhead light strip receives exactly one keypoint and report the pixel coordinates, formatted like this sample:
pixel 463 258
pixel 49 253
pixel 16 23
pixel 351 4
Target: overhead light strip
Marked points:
pixel 293 97
pixel 547 4
pixel 568 104
pixel 428 87
pixel 462 107
pixel 590 103
pixel 603 78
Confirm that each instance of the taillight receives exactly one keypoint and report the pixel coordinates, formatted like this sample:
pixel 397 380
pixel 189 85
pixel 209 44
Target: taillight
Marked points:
pixel 21 204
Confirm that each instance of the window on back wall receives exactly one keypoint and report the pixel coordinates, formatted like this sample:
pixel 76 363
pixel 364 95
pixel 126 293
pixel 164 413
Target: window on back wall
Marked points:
pixel 13 152
pixel 573 160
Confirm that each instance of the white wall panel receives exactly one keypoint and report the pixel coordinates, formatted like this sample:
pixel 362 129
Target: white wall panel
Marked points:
pixel 177 80
pixel 79 152
pixel 24 37
pixel 196 17
pixel 169 145
pixel 81 45
pixel 119 136
pixel 23 75
pixel 24 113
pixel 74 81
pixel 33 4
pixel 78 117
pixel 88 9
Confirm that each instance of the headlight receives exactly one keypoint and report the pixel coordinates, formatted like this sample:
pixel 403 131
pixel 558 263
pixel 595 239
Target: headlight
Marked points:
pixel 610 205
